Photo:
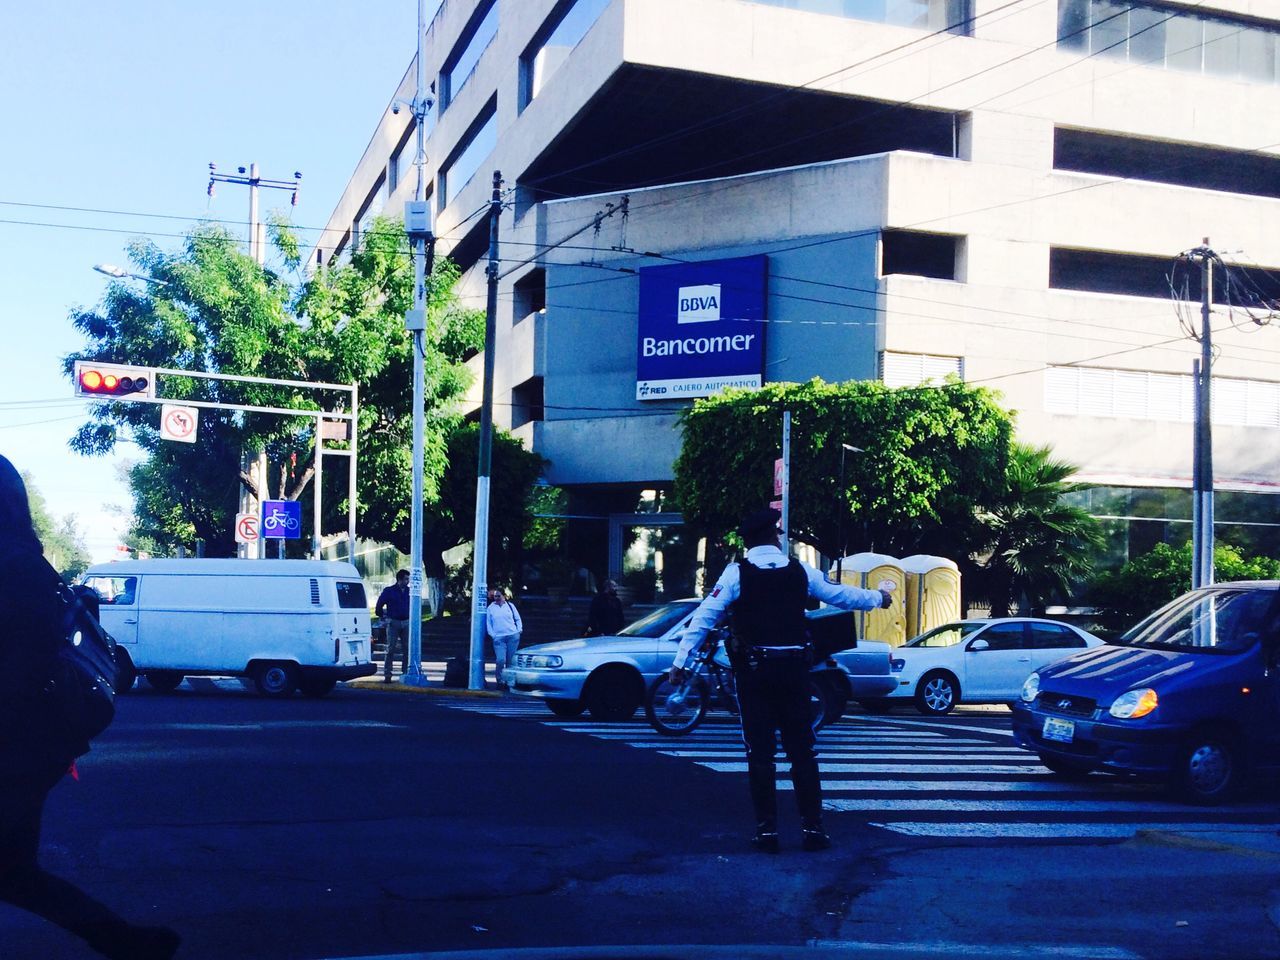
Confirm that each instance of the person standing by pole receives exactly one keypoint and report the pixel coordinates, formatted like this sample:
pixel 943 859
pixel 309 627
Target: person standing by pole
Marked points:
pixel 393 606
pixel 502 620
pixel 766 594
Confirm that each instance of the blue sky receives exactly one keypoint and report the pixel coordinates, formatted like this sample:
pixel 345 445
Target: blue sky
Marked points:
pixel 120 105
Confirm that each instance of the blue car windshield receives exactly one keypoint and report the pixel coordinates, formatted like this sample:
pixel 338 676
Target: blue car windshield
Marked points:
pixel 1222 620
pixel 658 622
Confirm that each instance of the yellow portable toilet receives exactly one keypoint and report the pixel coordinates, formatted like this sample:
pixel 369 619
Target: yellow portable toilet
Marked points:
pixel 932 594
pixel 866 570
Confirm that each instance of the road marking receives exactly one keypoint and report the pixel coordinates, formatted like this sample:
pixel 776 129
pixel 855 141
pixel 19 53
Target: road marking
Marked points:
pixel 970 768
pixel 1120 805
pixel 1042 785
pixel 1042 831
pixel 934 724
pixel 953 949
pixel 272 725
pixel 826 755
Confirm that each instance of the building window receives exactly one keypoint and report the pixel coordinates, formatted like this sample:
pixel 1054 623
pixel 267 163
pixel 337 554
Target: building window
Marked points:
pixel 1099 271
pixel 955 16
pixel 913 369
pixel 1175 38
pixel 475 38
pixel 918 254
pixel 371 208
pixel 1188 165
pixel 527 402
pixel 530 294
pixel 471 151
pixel 554 42
pixel 1146 395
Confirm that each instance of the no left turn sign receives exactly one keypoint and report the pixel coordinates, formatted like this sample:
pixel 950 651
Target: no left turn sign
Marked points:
pixel 178 423
pixel 247 529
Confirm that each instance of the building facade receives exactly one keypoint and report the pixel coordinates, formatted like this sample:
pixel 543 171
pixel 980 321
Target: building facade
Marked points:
pixel 996 190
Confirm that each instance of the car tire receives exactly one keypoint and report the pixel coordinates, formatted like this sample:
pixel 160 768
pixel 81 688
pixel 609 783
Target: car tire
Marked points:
pixel 317 687
pixel 165 681
pixel 1209 769
pixel 876 705
pixel 126 672
pixel 1066 769
pixel 565 709
pixel 671 722
pixel 613 694
pixel 937 693
pixel 275 679
pixel 837 701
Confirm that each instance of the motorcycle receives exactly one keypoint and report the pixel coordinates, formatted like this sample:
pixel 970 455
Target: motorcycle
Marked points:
pixel 675 710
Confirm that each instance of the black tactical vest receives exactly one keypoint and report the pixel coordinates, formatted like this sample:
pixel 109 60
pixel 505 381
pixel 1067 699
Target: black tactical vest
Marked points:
pixel 769 611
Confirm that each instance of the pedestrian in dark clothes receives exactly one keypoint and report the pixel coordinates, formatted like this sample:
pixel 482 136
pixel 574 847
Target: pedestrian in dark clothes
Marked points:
pixel 33 757
pixel 604 617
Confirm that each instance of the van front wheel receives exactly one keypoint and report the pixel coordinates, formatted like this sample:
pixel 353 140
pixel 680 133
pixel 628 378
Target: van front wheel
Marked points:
pixel 275 679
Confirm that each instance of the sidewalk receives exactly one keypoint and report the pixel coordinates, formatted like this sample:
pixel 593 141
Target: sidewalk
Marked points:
pixel 434 672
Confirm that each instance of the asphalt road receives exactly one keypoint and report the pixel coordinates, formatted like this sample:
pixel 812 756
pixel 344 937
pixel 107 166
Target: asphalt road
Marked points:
pixel 374 823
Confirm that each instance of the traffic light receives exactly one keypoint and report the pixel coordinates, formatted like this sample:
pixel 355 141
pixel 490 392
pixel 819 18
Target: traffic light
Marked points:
pixel 113 380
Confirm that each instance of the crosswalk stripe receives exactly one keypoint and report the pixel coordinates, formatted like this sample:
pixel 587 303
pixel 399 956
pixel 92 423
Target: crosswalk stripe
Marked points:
pixel 981 829
pixel 1042 785
pixel 894 721
pixel 970 768
pixel 826 755
pixel 1025 806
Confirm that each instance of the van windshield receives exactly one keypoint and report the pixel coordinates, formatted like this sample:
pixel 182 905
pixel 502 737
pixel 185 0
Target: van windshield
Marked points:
pixel 1220 620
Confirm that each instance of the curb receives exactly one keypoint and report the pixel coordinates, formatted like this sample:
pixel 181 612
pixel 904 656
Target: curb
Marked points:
pixel 437 691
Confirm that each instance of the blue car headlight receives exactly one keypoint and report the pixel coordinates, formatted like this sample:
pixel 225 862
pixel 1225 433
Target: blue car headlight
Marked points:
pixel 1134 704
pixel 546 661
pixel 1031 688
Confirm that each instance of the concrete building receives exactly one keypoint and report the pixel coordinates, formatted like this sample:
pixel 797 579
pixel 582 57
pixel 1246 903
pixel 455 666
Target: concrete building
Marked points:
pixel 988 188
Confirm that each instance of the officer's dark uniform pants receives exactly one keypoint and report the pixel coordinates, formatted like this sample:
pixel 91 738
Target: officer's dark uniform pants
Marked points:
pixel 774 696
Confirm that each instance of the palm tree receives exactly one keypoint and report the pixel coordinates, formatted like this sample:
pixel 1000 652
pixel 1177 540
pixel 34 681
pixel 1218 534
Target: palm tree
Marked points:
pixel 1036 544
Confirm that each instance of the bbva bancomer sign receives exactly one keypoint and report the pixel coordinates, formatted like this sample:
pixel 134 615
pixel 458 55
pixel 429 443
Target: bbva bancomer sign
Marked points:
pixel 701 328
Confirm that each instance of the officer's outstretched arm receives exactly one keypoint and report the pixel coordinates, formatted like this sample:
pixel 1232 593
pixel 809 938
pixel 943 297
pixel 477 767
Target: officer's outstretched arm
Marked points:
pixel 843 596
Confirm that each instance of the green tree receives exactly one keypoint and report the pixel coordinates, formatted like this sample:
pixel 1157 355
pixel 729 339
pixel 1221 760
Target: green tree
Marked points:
pixel 1148 582
pixel 1037 545
pixel 932 458
pixel 451 521
pixel 62 540
pixel 213 309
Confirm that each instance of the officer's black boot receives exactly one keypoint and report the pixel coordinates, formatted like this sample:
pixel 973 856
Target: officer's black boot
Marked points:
pixel 766 838
pixel 815 837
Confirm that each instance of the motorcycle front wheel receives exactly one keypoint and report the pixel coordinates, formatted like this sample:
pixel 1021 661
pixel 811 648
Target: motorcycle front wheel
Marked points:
pixel 676 710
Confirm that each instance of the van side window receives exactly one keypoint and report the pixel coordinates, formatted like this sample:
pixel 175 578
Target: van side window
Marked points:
pixel 116 591
pixel 351 595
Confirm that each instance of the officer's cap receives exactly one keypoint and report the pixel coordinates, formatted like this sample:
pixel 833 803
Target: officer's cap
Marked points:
pixel 759 522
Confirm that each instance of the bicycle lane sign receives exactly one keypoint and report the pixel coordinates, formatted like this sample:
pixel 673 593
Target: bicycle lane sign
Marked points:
pixel 282 519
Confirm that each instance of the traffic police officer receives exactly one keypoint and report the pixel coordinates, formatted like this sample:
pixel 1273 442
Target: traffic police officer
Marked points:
pixel 767 594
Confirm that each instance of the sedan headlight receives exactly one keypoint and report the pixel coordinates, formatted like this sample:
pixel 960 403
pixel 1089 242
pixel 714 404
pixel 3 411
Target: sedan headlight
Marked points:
pixel 1031 688
pixel 1134 704
pixel 546 661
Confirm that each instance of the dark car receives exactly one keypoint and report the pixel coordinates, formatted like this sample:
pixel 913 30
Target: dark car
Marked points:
pixel 1190 696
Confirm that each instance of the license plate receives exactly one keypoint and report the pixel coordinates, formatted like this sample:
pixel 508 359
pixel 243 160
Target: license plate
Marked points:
pixel 1060 730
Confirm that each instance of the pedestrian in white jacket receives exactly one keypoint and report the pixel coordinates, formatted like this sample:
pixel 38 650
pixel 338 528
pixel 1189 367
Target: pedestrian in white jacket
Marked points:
pixel 502 621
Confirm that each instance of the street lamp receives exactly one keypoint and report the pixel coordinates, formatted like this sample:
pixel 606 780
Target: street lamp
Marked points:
pixel 850 448
pixel 111 270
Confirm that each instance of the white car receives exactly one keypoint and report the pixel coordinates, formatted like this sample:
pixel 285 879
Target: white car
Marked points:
pixel 978 661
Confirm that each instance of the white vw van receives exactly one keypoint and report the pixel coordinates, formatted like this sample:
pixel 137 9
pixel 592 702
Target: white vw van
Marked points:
pixel 288 624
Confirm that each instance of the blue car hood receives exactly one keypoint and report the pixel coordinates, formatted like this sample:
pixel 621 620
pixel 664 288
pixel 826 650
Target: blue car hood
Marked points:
pixel 1103 673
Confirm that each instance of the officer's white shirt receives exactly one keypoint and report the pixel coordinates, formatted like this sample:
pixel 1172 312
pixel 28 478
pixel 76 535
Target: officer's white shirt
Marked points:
pixel 502 619
pixel 713 609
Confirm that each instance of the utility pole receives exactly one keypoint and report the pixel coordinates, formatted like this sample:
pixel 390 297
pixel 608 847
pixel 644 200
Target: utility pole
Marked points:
pixel 786 482
pixel 417 222
pixel 480 548
pixel 1202 464
pixel 257 250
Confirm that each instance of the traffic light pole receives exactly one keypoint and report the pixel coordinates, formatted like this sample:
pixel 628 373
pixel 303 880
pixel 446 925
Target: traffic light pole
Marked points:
pixel 417 221
pixel 1202 473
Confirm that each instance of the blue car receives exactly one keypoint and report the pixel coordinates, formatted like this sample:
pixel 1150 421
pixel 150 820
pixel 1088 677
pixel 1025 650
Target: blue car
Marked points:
pixel 1190 696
